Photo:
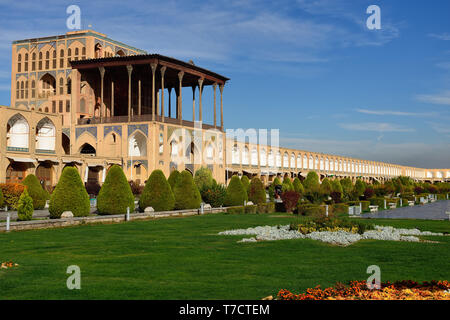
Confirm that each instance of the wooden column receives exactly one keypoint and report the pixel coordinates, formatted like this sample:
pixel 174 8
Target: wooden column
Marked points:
pixel 221 105
pixel 200 106
pixel 193 103
pixel 163 71
pixel 215 115
pixel 130 70
pixel 112 98
pixel 153 66
pixel 102 77
pixel 139 98
pixel 180 104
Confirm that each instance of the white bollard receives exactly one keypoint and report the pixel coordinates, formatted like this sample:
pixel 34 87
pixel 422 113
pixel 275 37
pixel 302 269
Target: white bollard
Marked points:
pixel 202 208
pixel 326 210
pixel 127 217
pixel 8 219
pixel 401 202
pixel 360 207
pixel 384 204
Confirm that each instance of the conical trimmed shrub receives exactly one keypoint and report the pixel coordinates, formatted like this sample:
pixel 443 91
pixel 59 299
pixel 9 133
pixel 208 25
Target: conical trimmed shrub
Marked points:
pixel 25 207
pixel 298 186
pixel 173 178
pixel 69 195
pixel 157 193
pixel 115 195
pixel 257 193
pixel 186 192
pixel 245 182
pixel 325 187
pixel 236 194
pixel 35 191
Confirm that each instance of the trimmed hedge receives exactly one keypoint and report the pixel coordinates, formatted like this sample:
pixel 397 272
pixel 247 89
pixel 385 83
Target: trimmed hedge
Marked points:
pixel 378 202
pixel 236 210
pixel 11 194
pixel 312 210
pixel 69 195
pixel 251 209
pixel 236 193
pixel 340 208
pixel 256 192
pixel 245 182
pixel 25 207
pixel 157 193
pixel 115 195
pixel 186 193
pixel 36 192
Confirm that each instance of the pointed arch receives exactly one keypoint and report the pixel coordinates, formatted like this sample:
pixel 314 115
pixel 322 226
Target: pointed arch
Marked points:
pixel 45 135
pixel 137 144
pixel 17 133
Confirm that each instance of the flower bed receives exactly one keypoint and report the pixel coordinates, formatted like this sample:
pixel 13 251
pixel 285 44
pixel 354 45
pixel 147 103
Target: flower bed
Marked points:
pixel 357 290
pixel 8 265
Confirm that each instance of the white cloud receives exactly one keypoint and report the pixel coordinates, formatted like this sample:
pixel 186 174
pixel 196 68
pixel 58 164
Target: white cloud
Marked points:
pixel 441 36
pixel 396 113
pixel 375 126
pixel 442 98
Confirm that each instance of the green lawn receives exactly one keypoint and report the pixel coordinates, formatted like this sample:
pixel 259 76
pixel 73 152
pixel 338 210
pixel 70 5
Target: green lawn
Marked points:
pixel 184 258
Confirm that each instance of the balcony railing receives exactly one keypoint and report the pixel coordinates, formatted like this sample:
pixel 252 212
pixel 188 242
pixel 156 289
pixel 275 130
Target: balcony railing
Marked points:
pixel 141 118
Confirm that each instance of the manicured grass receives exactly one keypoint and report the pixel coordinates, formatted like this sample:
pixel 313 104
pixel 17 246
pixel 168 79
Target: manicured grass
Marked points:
pixel 184 258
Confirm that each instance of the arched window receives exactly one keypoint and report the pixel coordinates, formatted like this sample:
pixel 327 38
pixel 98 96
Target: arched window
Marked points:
pixel 26 62
pixel 311 162
pixel 263 157
pixel 209 151
pixel 235 158
pixel 26 89
pixel 278 159
pixel 45 135
pixel 40 60
pixel 19 63
pixel 137 146
pixel 54 59
pixel 299 161
pixel 245 155
pixel 48 85
pixel 47 60
pixel 22 90
pixel 61 85
pixel 285 160
pixel 83 53
pixel 17 90
pixel 271 159
pixel 174 148
pixel 87 149
pixel 292 161
pixel 33 89
pixel 33 61
pixel 17 135
pixel 254 157
pixel 305 162
pixel 69 56
pixel 61 58
pixel 76 54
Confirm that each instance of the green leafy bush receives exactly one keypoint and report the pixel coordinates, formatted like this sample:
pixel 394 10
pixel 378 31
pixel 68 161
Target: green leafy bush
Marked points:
pixel 270 207
pixel 69 195
pixel 2 199
pixel 36 192
pixel 11 194
pixel 115 195
pixel 377 202
pixel 325 187
pixel 236 194
pixel 256 193
pixel 311 210
pixel 157 193
pixel 364 204
pixel 186 192
pixel 173 178
pixel 347 188
pixel 203 178
pixel 214 195
pixel 25 207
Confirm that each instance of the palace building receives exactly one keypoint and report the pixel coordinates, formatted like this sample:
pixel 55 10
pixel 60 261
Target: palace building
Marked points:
pixel 87 101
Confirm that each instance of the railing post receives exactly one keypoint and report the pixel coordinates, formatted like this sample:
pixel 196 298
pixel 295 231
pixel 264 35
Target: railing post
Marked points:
pixel 8 219
pixel 127 217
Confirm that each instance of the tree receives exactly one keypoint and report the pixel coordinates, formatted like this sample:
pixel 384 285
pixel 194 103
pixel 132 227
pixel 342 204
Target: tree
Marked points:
pixel 312 188
pixel 287 185
pixel 157 193
pixel 186 192
pixel 276 182
pixel 290 200
pixel 256 193
pixel 245 182
pixel 115 195
pixel 298 186
pixel 203 178
pixel 236 194
pixel 358 189
pixel 336 186
pixel 173 178
pixel 25 207
pixel 325 187
pixel 347 188
pixel 36 192
pixel 69 195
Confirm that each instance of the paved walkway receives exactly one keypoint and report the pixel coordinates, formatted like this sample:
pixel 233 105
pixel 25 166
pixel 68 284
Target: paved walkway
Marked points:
pixel 430 211
pixel 36 214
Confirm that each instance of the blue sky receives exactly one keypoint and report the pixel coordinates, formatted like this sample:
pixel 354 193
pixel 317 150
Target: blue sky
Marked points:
pixel 309 68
